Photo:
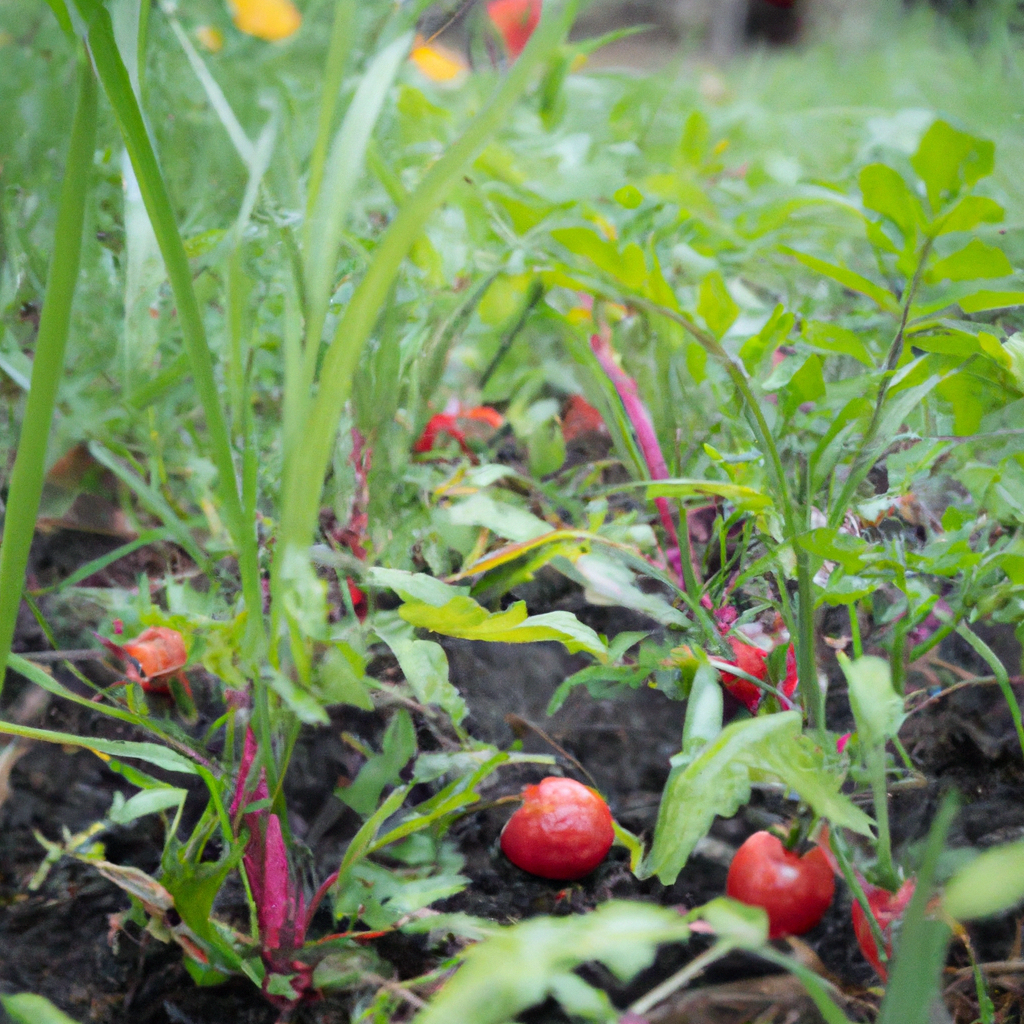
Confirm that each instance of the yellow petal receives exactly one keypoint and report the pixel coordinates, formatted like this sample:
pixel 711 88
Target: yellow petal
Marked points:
pixel 266 19
pixel 437 63
pixel 211 38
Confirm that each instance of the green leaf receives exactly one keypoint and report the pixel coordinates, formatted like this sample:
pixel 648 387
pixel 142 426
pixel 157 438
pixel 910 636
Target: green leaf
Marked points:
pixel 808 383
pixel 414 586
pixel 847 278
pixel 628 266
pixel 521 966
pixel 424 665
pixel 974 260
pixel 743 497
pixel 885 192
pixel 149 801
pixel 770 337
pixel 840 340
pixel 28 1008
pixel 507 521
pixel 915 982
pixel 399 748
pixel 717 782
pixel 463 617
pixel 968 213
pixel 715 305
pixel 990 884
pixel 877 707
pixel 980 302
pixel 947 159
pixel 151 753
pixel 629 196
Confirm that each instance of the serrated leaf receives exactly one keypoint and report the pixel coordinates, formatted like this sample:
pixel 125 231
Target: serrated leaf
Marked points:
pixel 462 617
pixel 715 305
pixel 717 782
pixel 975 260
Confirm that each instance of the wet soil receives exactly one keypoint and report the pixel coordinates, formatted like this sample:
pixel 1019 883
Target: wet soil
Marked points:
pixel 55 938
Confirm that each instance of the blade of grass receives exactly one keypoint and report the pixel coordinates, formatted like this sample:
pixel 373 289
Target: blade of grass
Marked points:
pixel 344 165
pixel 304 476
pixel 114 78
pixel 334 71
pixel 26 485
pixel 154 502
pixel 916 974
pixel 999 671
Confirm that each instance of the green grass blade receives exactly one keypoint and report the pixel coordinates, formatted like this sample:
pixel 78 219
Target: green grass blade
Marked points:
pixel 27 476
pixel 305 474
pixel 116 84
pixel 344 166
pixel 154 502
pixel 334 72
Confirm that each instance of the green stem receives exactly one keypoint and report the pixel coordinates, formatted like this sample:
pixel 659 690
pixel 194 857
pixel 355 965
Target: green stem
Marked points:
pixel 807 670
pixel 865 457
pixel 875 761
pixel 304 476
pixel 48 364
pixel 858 644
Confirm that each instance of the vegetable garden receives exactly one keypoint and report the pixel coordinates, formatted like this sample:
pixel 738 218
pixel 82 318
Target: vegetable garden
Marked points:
pixel 491 537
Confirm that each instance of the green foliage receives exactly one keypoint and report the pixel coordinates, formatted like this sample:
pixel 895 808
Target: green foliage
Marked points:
pixel 26 1008
pixel 521 966
pixel 715 779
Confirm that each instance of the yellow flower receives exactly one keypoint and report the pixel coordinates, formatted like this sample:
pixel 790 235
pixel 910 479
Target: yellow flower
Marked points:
pixel 266 19
pixel 211 38
pixel 437 63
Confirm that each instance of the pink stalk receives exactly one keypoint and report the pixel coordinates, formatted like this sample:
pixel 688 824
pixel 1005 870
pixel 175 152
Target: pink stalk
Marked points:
pixel 640 418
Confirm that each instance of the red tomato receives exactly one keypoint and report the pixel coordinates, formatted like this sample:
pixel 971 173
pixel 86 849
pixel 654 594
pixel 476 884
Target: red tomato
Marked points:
pixel 749 659
pixel 580 417
pixel 562 831
pixel 515 20
pixel 886 908
pixel 795 891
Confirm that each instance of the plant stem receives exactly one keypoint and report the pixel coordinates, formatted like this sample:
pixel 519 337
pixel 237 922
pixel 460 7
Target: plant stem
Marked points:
pixel 681 978
pixel 48 364
pixel 810 691
pixel 865 457
pixel 874 758
pixel 999 671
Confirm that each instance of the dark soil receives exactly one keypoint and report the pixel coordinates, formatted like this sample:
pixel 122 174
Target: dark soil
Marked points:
pixel 54 940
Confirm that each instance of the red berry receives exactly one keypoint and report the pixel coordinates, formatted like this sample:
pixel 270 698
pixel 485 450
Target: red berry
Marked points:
pixel 795 891
pixel 562 831
pixel 886 908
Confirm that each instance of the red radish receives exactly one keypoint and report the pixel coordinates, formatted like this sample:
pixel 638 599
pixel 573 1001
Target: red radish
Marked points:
pixel 153 658
pixel 886 908
pixel 562 831
pixel 795 891
pixel 749 659
pixel 515 20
